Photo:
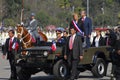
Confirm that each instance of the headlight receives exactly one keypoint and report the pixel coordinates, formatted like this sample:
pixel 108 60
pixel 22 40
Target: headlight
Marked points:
pixel 45 53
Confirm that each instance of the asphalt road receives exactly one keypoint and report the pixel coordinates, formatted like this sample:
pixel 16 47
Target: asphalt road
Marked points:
pixel 5 73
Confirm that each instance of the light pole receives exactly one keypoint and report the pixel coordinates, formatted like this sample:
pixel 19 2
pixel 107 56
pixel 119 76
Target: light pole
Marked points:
pixel 88 8
pixel 103 12
pixel 103 17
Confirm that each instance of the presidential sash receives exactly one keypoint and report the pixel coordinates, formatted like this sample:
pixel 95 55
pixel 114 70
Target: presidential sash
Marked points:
pixel 77 28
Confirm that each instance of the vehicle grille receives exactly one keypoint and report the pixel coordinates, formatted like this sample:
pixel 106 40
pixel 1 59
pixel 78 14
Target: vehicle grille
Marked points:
pixel 36 57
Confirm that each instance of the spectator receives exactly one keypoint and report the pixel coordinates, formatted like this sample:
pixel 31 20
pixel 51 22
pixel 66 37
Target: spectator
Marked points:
pixel 98 40
pixel 117 32
pixel 110 39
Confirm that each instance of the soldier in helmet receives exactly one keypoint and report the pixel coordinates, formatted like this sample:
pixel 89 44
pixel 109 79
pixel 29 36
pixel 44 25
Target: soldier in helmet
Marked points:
pixel 32 27
pixel 33 23
pixel 59 38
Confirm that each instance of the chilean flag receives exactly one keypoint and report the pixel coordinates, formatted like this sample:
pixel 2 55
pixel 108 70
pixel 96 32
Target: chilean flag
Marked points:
pixel 53 47
pixel 15 46
pixel 33 39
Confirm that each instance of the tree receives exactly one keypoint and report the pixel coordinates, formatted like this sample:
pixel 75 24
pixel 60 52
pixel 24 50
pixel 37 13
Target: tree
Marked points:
pixel 102 20
pixel 65 4
pixel 57 11
pixel 43 18
pixel 119 18
pixel 9 22
pixel 13 9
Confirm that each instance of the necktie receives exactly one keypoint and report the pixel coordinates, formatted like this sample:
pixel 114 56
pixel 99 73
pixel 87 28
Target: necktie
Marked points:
pixel 71 43
pixel 83 19
pixel 10 44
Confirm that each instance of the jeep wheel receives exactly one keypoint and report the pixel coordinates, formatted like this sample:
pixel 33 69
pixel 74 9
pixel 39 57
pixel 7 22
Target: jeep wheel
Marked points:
pixel 23 74
pixel 100 68
pixel 60 70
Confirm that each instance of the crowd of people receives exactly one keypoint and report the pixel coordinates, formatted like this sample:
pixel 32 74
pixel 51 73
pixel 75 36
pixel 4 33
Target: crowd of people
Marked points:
pixel 74 41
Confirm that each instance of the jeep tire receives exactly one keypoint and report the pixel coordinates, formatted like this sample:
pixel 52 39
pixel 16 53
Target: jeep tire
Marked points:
pixel 60 70
pixel 100 68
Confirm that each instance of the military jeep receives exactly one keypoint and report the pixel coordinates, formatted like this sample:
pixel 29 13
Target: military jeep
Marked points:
pixel 42 58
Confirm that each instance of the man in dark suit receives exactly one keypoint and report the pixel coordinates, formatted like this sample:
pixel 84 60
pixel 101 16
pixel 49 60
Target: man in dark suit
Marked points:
pixel 73 52
pixel 116 60
pixel 11 47
pixel 85 25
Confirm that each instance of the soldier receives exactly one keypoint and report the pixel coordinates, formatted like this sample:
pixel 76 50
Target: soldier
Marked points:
pixel 59 38
pixel 32 27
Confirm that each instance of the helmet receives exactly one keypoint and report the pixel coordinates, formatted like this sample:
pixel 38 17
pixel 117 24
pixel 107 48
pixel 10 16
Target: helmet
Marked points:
pixel 32 14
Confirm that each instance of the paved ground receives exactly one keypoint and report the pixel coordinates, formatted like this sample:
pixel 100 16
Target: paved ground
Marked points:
pixel 5 73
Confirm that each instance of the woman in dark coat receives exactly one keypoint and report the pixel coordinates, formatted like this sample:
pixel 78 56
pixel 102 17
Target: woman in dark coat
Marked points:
pixel 98 40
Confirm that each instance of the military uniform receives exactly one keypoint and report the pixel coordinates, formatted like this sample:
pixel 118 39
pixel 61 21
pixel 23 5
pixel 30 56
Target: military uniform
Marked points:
pixel 33 28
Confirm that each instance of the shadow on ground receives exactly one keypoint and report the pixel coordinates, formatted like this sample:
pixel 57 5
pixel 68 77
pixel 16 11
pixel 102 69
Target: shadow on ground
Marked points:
pixel 43 78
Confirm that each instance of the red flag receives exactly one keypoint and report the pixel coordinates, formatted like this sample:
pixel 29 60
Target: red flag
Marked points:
pixel 53 47
pixel 33 40
pixel 16 46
